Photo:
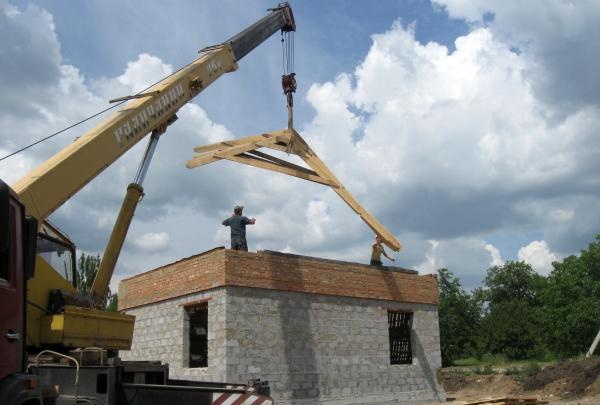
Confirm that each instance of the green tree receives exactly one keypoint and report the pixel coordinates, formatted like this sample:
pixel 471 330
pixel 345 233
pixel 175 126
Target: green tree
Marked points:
pixel 571 311
pixel 511 324
pixel 86 272
pixel 87 267
pixel 459 318
pixel 112 302
pixel 513 281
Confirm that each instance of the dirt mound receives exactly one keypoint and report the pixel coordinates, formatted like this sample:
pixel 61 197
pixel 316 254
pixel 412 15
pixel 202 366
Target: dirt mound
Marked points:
pixel 460 381
pixel 569 382
pixel 452 380
pixel 488 385
pixel 566 379
pixel 594 389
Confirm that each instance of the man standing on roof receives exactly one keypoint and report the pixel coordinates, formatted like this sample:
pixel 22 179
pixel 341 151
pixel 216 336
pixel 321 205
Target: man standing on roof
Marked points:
pixel 377 251
pixel 237 222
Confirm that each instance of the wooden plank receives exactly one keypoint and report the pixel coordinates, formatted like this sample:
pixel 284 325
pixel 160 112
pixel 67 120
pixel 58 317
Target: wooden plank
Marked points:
pixel 289 141
pixel 236 149
pixel 311 158
pixel 227 144
pixel 279 147
pixel 281 135
pixel 201 160
pixel 283 162
pixel 263 164
pixel 524 401
pixel 245 147
pixel 484 400
pixel 502 401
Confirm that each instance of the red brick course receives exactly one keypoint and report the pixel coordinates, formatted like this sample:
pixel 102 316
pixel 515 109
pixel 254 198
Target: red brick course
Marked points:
pixel 276 271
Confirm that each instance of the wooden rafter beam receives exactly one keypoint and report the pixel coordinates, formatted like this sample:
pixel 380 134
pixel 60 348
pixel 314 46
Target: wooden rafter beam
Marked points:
pixel 228 144
pixel 288 140
pixel 264 164
pixel 222 150
pixel 314 162
pixel 283 162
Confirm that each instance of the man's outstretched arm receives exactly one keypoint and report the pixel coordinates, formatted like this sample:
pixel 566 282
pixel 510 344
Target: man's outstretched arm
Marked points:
pixel 385 254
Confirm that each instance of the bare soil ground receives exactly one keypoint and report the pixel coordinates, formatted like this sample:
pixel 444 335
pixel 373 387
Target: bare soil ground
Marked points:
pixel 573 382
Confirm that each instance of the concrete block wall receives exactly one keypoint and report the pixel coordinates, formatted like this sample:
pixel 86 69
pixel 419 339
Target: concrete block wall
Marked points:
pixel 315 328
pixel 313 349
pixel 161 334
pixel 328 350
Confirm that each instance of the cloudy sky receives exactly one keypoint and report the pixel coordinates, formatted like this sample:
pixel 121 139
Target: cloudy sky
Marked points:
pixel 469 129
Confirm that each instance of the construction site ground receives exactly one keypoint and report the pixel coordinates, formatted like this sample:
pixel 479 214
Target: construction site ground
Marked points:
pixel 571 382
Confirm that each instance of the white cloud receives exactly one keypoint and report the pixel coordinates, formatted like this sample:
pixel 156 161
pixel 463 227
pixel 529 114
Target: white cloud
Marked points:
pixel 318 220
pixel 443 148
pixel 138 75
pixel 558 37
pixel 152 242
pixel 496 257
pixel 19 165
pixel 468 258
pixel 146 70
pixel 452 145
pixel 432 262
pixel 538 255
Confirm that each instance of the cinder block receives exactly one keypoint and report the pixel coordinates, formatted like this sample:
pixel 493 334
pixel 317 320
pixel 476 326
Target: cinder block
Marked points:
pixel 314 347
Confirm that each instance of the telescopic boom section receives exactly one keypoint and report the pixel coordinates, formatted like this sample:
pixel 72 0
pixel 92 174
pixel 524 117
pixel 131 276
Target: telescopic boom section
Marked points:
pixel 48 186
pixel 281 18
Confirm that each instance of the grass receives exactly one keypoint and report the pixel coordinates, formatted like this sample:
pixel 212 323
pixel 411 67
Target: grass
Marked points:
pixel 488 369
pixel 488 365
pixel 485 360
pixel 501 361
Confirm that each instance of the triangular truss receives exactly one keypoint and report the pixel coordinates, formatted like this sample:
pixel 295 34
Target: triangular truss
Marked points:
pixel 245 151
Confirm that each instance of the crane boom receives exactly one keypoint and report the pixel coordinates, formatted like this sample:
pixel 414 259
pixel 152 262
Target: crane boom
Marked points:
pixel 48 186
pixel 53 283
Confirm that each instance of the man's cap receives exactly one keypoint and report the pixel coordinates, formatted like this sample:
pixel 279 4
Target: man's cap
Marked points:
pixel 238 208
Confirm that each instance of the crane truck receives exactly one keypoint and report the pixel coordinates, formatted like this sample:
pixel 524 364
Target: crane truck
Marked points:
pixel 56 346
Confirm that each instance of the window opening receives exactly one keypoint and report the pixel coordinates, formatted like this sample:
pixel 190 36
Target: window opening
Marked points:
pixel 400 324
pixel 198 334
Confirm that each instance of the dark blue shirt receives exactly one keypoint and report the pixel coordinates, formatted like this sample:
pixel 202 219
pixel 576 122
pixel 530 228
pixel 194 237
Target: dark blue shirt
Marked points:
pixel 238 226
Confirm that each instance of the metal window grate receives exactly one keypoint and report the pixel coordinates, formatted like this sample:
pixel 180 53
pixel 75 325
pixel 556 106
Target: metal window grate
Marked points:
pixel 198 318
pixel 399 324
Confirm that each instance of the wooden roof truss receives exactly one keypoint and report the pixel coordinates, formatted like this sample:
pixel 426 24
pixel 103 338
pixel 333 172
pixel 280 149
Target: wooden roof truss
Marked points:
pixel 245 150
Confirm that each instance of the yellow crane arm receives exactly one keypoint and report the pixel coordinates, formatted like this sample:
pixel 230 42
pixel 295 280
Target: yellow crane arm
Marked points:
pixel 53 182
pixel 48 186
pixel 52 288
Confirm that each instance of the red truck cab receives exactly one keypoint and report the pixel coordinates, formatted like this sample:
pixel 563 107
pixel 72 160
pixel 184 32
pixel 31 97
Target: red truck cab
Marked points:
pixel 17 257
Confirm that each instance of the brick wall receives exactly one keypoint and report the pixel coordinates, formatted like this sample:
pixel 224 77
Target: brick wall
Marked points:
pixel 276 271
pixel 194 274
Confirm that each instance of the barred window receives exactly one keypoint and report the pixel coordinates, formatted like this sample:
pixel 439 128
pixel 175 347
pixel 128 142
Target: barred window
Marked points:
pixel 400 324
pixel 198 334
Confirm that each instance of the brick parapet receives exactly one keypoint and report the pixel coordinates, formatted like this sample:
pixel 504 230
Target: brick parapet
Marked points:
pixel 276 271
pixel 285 272
pixel 187 276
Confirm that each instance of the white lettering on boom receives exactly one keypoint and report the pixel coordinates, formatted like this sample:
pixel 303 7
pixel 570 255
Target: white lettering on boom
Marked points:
pixel 155 111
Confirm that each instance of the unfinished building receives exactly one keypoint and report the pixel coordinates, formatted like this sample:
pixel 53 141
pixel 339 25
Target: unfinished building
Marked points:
pixel 320 331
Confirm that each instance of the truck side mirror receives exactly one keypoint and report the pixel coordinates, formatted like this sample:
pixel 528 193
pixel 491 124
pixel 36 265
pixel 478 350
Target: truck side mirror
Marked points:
pixel 4 216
